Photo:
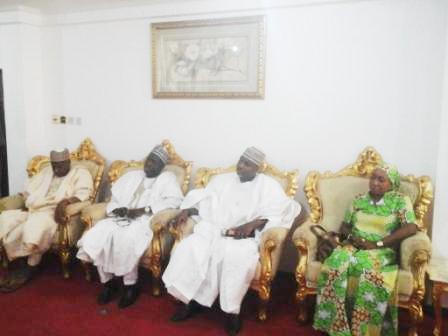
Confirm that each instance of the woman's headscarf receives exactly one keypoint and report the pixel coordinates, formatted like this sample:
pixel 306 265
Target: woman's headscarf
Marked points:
pixel 392 174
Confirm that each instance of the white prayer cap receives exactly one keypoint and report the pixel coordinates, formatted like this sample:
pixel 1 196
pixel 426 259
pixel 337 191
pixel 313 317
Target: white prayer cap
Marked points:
pixel 254 155
pixel 161 153
pixel 59 156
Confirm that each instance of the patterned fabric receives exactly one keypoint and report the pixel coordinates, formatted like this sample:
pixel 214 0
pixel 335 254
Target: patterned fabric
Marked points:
pixel 357 288
pixel 392 174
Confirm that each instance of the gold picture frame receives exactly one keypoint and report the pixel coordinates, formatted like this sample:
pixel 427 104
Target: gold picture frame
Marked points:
pixel 219 58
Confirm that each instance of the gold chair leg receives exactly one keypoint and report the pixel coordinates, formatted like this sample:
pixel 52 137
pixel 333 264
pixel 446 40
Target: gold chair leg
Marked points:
pixel 156 285
pixel 87 270
pixel 3 257
pixel 303 309
pixel 416 313
pixel 262 309
pixel 64 256
pixel 264 295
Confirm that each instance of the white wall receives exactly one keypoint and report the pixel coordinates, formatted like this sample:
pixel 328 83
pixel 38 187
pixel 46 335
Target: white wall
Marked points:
pixel 340 75
pixel 11 64
pixel 440 222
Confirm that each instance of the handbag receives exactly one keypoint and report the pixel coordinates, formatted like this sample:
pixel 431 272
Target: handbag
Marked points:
pixel 327 241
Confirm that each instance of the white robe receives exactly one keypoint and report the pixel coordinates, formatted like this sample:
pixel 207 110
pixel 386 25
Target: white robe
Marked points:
pixel 205 263
pixel 116 245
pixel 32 232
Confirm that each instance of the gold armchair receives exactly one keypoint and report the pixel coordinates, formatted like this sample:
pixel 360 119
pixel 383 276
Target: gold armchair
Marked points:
pixel 271 244
pixel 162 241
pixel 329 195
pixel 71 230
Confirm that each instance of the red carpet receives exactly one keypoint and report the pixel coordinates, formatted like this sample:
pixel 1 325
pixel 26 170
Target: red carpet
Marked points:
pixel 51 306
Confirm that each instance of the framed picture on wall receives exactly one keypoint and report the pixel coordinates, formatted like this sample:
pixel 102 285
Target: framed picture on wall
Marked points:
pixel 221 58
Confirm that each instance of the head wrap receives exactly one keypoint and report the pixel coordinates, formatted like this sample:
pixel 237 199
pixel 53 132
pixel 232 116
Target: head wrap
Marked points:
pixel 56 156
pixel 392 174
pixel 254 155
pixel 161 153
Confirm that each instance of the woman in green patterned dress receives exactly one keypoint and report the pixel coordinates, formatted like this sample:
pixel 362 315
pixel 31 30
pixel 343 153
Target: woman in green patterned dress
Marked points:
pixel 356 286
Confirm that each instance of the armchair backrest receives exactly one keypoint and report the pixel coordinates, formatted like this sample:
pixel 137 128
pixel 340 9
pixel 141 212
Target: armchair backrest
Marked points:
pixel 287 179
pixel 177 165
pixel 85 156
pixel 330 194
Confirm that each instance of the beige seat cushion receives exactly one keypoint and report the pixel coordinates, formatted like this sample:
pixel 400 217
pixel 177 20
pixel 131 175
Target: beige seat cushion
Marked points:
pixel 405 279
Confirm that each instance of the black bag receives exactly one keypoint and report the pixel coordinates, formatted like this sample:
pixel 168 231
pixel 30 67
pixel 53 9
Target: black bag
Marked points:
pixel 326 241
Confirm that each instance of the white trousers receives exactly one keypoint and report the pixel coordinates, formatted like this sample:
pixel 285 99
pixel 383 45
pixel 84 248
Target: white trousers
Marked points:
pixel 201 268
pixel 128 279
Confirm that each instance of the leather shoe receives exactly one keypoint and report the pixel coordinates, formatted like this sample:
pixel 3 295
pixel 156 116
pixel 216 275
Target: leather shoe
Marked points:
pixel 18 278
pixel 233 324
pixel 184 312
pixel 107 292
pixel 129 296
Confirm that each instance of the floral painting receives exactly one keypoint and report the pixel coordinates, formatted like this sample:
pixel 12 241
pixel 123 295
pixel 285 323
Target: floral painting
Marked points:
pixel 219 58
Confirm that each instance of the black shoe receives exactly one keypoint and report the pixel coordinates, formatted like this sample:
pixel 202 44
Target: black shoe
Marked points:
pixel 107 292
pixel 130 294
pixel 18 278
pixel 233 324
pixel 186 311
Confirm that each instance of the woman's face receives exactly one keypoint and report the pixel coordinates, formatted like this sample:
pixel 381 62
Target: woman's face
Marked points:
pixel 379 182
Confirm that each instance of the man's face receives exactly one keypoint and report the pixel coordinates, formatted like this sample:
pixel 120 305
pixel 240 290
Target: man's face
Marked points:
pixel 153 166
pixel 379 182
pixel 61 168
pixel 246 170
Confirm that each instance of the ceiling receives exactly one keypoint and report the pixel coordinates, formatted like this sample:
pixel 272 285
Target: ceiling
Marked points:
pixel 63 6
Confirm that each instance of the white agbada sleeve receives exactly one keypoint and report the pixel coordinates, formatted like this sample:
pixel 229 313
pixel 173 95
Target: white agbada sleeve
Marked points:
pixel 276 206
pixel 82 184
pixel 165 194
pixel 123 190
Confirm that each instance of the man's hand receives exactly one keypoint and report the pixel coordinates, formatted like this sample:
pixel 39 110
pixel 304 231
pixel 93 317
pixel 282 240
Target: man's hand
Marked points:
pixel 180 219
pixel 24 195
pixel 362 244
pixel 120 212
pixel 59 212
pixel 246 230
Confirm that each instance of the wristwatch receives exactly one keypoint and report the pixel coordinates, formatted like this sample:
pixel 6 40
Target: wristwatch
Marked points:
pixel 379 243
pixel 147 209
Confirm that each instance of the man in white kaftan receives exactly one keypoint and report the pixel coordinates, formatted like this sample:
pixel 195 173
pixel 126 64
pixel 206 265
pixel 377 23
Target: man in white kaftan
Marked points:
pixel 221 255
pixel 30 232
pixel 116 243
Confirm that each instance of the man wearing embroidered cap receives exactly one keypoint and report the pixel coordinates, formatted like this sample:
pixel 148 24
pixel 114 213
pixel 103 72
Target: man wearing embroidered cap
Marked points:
pixel 221 256
pixel 30 232
pixel 116 243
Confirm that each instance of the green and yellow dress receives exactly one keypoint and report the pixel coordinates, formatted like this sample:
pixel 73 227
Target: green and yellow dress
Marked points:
pixel 356 288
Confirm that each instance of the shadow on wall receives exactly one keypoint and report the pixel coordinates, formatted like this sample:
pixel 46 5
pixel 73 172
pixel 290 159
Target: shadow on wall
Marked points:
pixel 4 186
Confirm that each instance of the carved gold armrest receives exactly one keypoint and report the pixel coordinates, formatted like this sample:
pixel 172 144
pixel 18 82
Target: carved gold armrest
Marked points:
pixel 93 213
pixel 415 254
pixel 303 236
pixel 158 225
pixel 270 251
pixel 411 245
pixel 182 231
pixel 12 203
pixel 76 208
pixel 160 220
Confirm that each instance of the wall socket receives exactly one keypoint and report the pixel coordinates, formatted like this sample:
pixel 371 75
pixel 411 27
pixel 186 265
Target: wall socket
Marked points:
pixel 66 120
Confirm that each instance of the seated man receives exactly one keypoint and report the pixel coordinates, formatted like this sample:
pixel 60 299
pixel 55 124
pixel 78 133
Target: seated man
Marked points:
pixel 30 232
pixel 116 244
pixel 221 256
